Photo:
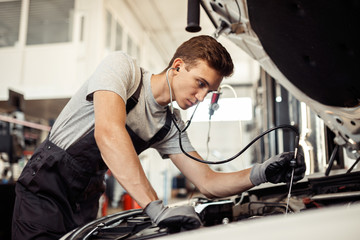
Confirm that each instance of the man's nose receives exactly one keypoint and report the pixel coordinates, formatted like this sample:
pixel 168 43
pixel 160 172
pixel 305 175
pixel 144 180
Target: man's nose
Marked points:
pixel 201 94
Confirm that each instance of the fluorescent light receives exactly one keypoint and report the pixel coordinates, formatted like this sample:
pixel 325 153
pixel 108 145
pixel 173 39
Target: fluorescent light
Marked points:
pixel 230 109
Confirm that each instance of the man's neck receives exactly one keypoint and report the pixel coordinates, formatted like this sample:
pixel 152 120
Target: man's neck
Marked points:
pixel 160 89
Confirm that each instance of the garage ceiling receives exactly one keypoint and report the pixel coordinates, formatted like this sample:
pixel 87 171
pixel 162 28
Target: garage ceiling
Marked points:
pixel 165 22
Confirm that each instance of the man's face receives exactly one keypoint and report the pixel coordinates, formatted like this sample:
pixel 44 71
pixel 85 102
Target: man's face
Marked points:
pixel 191 87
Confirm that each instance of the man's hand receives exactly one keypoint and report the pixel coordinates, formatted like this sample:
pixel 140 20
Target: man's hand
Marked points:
pixel 175 219
pixel 277 169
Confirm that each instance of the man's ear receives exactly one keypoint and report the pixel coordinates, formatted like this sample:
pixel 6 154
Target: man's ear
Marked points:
pixel 178 62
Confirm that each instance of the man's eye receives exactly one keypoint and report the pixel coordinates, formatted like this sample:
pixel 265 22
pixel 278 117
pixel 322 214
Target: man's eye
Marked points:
pixel 201 84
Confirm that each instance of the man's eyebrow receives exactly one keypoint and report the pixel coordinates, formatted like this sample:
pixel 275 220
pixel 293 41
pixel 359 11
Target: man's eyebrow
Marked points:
pixel 207 83
pixel 204 80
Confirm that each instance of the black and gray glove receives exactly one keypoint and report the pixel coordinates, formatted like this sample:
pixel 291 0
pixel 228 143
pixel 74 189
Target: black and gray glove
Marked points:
pixel 176 219
pixel 277 169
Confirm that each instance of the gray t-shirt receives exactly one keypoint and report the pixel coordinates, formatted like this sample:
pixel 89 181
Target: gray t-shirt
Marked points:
pixel 118 73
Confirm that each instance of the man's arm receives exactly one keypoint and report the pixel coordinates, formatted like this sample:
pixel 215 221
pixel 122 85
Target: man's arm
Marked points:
pixel 210 183
pixel 117 149
pixel 277 169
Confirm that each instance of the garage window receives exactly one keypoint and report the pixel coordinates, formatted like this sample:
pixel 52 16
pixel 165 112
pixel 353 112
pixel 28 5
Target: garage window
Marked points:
pixel 50 21
pixel 9 22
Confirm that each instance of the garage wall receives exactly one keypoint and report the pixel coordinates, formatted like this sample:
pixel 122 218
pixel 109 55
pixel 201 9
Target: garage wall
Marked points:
pixel 56 70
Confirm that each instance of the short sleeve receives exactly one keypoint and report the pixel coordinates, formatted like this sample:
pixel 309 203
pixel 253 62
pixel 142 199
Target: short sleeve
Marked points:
pixel 118 73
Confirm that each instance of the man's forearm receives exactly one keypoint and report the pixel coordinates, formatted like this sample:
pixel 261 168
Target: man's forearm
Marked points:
pixel 227 184
pixel 210 183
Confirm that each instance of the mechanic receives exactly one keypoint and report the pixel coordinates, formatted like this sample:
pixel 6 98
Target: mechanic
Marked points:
pixel 120 111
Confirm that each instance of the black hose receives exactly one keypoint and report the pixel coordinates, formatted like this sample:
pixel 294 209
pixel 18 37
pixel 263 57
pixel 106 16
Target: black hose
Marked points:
pixel 242 151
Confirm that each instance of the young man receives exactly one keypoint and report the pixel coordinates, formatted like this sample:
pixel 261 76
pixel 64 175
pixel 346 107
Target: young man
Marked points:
pixel 119 112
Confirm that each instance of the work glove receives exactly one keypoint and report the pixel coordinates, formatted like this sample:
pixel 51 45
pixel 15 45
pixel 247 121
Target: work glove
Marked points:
pixel 278 169
pixel 176 219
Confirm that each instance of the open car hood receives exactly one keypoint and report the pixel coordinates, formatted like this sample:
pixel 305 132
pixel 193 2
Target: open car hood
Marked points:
pixel 310 47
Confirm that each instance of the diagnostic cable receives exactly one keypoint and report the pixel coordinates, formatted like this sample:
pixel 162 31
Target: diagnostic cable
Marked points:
pixel 292 165
pixel 285 126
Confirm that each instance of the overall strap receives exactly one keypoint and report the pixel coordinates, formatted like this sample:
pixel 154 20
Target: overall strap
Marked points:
pixel 133 100
pixel 164 130
pixel 141 145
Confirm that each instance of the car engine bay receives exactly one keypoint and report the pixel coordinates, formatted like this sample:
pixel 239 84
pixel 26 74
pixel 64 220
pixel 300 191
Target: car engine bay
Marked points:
pixel 317 192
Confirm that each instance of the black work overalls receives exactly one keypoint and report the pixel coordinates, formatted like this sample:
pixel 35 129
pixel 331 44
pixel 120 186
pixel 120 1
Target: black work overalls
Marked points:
pixel 59 190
